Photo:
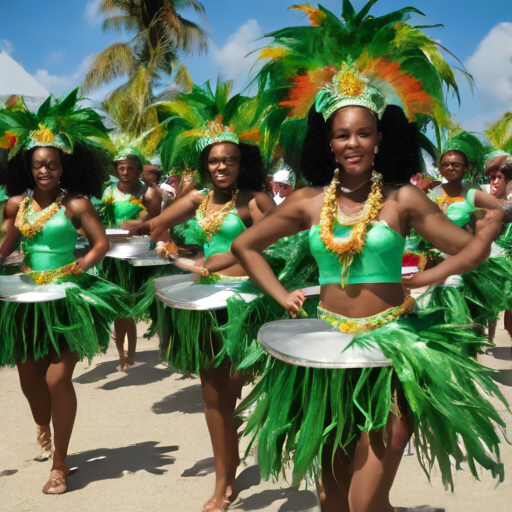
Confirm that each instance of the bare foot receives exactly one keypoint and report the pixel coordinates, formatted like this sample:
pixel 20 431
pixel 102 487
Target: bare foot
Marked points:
pixel 56 483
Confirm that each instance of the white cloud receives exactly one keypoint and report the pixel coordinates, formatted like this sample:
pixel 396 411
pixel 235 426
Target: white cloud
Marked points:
pixel 491 66
pixel 57 84
pixel 231 57
pixel 91 12
pixel 7 46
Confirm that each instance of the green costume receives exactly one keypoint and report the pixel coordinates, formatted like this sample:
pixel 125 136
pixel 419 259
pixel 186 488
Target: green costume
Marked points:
pixel 80 321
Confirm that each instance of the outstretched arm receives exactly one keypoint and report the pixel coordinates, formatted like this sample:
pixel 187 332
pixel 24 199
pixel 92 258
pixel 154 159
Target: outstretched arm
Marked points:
pixel 180 211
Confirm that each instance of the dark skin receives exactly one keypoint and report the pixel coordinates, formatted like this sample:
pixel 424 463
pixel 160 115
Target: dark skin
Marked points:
pixel 363 482
pixel 453 168
pixel 129 183
pixel 221 386
pixel 47 382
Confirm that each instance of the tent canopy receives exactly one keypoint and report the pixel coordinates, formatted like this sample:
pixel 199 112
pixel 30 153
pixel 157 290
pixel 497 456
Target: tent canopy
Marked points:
pixel 15 80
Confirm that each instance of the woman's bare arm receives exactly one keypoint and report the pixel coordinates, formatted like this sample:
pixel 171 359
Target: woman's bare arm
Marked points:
pixel 13 236
pixel 82 209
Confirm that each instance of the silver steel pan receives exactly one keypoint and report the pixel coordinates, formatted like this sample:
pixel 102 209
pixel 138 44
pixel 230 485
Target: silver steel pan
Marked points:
pixel 128 247
pixel 148 259
pixel 312 342
pixel 22 288
pixel 183 292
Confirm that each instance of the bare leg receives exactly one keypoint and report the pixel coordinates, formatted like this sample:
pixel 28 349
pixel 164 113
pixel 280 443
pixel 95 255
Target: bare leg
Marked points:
pixel 122 328
pixel 508 321
pixel 58 377
pixel 491 330
pixel 375 466
pixel 220 392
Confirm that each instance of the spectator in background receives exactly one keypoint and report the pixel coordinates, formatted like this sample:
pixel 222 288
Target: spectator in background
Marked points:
pixel 283 185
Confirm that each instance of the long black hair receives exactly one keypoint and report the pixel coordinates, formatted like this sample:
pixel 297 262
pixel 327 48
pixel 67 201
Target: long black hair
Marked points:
pixel 398 159
pixel 252 173
pixel 83 172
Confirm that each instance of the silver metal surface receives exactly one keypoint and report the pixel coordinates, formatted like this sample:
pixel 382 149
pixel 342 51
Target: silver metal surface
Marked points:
pixel 21 288
pixel 183 292
pixel 149 259
pixel 129 247
pixel 116 232
pixel 312 342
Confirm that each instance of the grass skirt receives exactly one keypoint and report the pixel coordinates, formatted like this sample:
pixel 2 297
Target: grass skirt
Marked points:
pixel 191 340
pixel 479 296
pixel 81 321
pixel 138 283
pixel 298 410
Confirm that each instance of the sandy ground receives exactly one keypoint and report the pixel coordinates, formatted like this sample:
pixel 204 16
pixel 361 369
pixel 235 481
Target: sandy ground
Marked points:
pixel 140 444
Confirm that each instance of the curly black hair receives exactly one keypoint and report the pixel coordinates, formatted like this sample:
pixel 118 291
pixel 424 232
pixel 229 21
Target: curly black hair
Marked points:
pixel 252 175
pixel 84 172
pixel 399 154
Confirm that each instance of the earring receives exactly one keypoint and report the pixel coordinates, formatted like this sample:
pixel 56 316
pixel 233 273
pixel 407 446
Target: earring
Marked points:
pixel 376 149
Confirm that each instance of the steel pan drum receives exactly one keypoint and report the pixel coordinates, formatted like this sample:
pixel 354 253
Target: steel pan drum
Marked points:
pixel 312 342
pixel 21 288
pixel 183 292
pixel 148 259
pixel 128 247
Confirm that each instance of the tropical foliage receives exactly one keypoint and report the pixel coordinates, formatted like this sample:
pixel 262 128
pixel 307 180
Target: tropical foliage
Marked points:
pixel 499 133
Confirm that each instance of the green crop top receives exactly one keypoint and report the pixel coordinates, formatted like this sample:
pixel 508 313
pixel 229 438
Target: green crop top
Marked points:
pixel 125 206
pixel 457 209
pixel 379 262
pixel 53 246
pixel 230 228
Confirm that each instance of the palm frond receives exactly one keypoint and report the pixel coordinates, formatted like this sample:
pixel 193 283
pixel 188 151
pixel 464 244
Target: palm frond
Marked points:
pixel 116 60
pixel 121 23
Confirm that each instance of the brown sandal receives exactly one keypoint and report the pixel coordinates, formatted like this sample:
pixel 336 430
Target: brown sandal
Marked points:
pixel 44 439
pixel 56 483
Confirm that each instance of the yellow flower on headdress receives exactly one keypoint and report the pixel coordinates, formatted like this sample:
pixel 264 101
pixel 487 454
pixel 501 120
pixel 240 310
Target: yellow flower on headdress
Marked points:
pixel 349 83
pixel 43 135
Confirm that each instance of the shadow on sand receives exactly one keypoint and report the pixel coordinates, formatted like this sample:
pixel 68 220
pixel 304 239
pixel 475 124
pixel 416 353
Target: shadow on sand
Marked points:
pixel 200 468
pixel 503 353
pixel 146 373
pixel 188 400
pixel 109 463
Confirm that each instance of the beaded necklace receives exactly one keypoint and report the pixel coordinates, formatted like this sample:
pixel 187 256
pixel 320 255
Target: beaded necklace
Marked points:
pixel 347 248
pixel 29 228
pixel 211 224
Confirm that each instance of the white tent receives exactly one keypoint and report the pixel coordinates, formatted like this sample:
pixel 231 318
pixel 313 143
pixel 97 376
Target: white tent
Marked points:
pixel 15 80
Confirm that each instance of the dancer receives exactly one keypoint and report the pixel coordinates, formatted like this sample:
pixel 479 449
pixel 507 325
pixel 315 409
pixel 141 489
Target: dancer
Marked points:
pixel 190 339
pixel 54 164
pixel 358 224
pixel 358 422
pixel 123 202
pixel 499 170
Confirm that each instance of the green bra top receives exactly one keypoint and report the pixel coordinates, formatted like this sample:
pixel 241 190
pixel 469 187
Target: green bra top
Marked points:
pixel 458 209
pixel 379 262
pixel 53 246
pixel 125 206
pixel 230 228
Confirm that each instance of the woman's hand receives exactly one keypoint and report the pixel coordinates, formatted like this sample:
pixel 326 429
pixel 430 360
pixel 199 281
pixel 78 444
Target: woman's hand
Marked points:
pixel 294 301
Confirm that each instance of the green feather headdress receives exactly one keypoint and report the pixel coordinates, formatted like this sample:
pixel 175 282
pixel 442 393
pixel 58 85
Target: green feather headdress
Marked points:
pixel 474 150
pixel 58 123
pixel 399 60
pixel 201 117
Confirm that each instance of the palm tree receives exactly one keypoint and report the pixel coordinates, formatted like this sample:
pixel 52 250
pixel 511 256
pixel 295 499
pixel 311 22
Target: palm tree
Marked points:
pixel 499 133
pixel 160 32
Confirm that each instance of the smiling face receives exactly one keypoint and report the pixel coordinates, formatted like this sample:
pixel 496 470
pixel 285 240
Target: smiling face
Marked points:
pixel 127 171
pixel 452 166
pixel 354 136
pixel 498 185
pixel 224 165
pixel 46 167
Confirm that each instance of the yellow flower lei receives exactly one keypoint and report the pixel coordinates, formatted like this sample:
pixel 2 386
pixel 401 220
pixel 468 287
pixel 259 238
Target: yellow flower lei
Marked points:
pixel 28 228
pixel 211 224
pixel 42 277
pixel 348 248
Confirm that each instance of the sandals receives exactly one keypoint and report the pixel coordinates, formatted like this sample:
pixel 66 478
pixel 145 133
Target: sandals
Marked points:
pixel 56 483
pixel 212 506
pixel 44 439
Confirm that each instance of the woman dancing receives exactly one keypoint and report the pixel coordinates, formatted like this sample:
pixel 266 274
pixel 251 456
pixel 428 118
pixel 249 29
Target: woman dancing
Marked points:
pixel 190 341
pixel 124 203
pixel 359 422
pixel 54 163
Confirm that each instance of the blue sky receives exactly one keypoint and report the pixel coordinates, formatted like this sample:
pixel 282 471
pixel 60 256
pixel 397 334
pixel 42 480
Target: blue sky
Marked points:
pixel 54 41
